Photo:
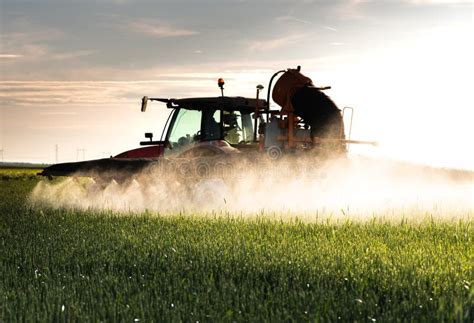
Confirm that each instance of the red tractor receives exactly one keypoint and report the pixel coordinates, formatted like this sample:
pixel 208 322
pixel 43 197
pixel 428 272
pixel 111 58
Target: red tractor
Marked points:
pixel 211 135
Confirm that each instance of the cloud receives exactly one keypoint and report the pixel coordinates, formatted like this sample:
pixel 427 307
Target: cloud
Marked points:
pixel 72 54
pixel 355 2
pixel 34 42
pixel 53 93
pixel 29 33
pixel 275 43
pixel 292 19
pixel 160 30
pixel 436 2
pixel 26 44
pixel 35 47
pixel 58 113
pixel 176 81
pixel 350 10
pixel 10 56
pixel 330 28
pixel 417 2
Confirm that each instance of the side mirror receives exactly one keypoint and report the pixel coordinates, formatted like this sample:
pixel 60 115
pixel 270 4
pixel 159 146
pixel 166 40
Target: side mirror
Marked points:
pixel 149 135
pixel 144 103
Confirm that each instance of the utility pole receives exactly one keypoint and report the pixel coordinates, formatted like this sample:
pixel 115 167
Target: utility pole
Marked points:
pixel 56 150
pixel 1 152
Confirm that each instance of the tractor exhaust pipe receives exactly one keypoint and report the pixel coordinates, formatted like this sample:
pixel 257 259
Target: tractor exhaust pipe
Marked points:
pixel 144 103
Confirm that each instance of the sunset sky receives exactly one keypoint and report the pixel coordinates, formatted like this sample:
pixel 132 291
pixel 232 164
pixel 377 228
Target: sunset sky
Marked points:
pixel 72 72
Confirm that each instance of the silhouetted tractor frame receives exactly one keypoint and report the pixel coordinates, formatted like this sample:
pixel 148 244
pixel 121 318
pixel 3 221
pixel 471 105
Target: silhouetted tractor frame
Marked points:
pixel 205 134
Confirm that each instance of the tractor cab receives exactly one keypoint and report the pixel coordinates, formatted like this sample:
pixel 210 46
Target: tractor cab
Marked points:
pixel 208 125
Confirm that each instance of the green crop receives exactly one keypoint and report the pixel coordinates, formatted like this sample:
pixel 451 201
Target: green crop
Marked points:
pixel 80 265
pixel 18 173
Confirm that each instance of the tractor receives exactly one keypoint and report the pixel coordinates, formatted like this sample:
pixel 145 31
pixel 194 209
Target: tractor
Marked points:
pixel 208 136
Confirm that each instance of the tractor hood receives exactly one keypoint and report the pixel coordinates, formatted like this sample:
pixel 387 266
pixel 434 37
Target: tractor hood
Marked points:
pixel 154 151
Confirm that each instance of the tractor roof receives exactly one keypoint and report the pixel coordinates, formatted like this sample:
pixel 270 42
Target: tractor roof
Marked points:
pixel 213 103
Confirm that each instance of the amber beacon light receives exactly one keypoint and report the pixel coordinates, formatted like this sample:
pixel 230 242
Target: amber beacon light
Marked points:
pixel 221 83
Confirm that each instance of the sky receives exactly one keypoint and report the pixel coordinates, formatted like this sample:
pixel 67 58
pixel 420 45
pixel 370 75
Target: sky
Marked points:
pixel 72 73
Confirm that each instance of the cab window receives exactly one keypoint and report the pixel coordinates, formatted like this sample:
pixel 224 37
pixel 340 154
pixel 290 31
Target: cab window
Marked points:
pixel 211 125
pixel 186 128
pixel 237 127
